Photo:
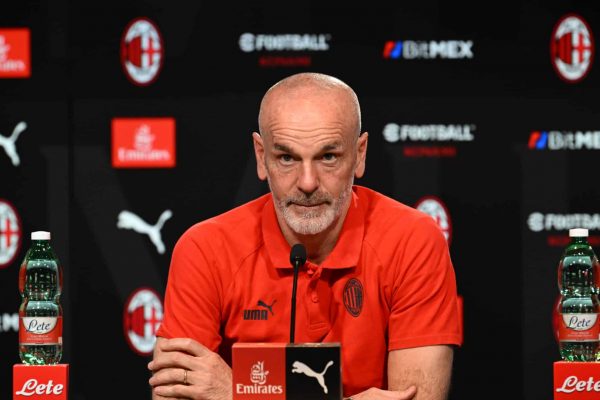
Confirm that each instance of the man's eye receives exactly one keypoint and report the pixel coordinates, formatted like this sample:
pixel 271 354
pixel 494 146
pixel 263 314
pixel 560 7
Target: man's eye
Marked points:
pixel 329 157
pixel 286 158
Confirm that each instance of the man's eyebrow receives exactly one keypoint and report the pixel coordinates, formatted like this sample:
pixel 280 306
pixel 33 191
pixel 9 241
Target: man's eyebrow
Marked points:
pixel 328 147
pixel 331 146
pixel 282 147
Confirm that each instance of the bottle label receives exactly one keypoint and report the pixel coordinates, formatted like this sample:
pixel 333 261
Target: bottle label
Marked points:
pixel 40 330
pixel 579 328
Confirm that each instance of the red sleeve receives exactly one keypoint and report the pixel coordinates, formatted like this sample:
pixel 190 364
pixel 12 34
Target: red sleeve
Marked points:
pixel 424 301
pixel 193 295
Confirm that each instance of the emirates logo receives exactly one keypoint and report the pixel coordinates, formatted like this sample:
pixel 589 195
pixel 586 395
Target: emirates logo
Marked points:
pixel 144 138
pixel 258 375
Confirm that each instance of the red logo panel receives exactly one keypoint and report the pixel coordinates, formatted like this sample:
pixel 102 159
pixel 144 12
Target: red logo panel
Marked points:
pixel 15 53
pixel 40 382
pixel 576 380
pixel 259 371
pixel 143 142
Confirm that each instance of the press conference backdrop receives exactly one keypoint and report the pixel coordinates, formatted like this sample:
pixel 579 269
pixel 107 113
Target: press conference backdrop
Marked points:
pixel 124 123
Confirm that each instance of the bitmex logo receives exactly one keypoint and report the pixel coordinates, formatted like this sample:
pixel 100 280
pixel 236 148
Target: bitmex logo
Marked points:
pixel 143 142
pixel 564 140
pixel 412 50
pixel 15 53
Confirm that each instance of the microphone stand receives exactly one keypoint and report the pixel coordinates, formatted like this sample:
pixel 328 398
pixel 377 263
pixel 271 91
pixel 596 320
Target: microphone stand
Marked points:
pixel 293 314
pixel 297 259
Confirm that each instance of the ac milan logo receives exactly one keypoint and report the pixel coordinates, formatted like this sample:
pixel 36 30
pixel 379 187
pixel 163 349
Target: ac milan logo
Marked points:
pixel 10 233
pixel 141 318
pixel 142 51
pixel 353 297
pixel 437 210
pixel 572 48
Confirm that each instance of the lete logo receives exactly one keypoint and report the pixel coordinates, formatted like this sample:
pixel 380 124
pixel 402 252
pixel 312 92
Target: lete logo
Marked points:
pixel 573 384
pixel 32 387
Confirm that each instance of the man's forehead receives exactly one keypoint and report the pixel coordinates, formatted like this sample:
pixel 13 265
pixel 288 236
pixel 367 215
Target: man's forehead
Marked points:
pixel 311 111
pixel 310 101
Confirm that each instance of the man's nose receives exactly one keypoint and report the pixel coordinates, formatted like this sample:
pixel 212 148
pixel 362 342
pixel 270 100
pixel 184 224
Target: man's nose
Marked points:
pixel 308 180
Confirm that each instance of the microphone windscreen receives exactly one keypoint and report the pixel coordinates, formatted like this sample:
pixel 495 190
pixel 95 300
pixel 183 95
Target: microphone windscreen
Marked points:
pixel 298 255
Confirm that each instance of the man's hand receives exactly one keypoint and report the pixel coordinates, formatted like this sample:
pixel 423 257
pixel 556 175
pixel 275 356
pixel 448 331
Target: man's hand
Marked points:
pixel 185 369
pixel 378 394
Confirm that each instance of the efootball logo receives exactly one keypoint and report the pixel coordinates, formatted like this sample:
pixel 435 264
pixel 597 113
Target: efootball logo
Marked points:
pixel 572 48
pixel 142 51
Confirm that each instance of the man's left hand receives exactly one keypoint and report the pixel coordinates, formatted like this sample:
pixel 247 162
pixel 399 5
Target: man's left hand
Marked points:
pixel 183 368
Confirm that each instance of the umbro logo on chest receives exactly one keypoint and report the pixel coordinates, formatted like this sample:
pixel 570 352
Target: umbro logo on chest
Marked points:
pixel 260 314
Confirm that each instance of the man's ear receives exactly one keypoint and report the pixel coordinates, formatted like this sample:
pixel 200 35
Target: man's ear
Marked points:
pixel 259 152
pixel 361 155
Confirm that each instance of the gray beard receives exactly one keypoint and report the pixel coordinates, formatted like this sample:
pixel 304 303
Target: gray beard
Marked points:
pixel 312 222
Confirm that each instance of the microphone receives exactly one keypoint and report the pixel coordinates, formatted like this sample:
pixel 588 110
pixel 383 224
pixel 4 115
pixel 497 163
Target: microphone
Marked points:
pixel 297 259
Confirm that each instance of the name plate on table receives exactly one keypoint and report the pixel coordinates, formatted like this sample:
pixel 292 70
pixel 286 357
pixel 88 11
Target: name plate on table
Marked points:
pixel 278 371
pixel 576 380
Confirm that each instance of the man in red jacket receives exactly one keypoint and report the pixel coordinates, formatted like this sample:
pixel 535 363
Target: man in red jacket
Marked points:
pixel 378 277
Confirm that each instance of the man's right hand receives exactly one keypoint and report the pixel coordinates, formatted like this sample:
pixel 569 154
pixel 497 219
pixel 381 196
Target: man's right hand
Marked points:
pixel 378 394
pixel 185 369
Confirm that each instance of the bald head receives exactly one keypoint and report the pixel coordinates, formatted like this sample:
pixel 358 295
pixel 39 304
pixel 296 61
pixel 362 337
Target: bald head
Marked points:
pixel 305 87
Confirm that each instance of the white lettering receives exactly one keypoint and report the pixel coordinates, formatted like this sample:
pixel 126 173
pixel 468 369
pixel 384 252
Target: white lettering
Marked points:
pixel 441 133
pixel 578 140
pixel 258 389
pixel 568 384
pixel 249 42
pixel 12 65
pixel 32 387
pixel 137 155
pixel 450 49
pixel 562 222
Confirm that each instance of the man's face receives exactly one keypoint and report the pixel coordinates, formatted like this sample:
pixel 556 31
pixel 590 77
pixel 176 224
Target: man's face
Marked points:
pixel 309 154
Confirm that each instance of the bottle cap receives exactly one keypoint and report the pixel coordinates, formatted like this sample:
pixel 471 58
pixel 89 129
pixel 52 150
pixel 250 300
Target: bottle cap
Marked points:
pixel 40 235
pixel 578 232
